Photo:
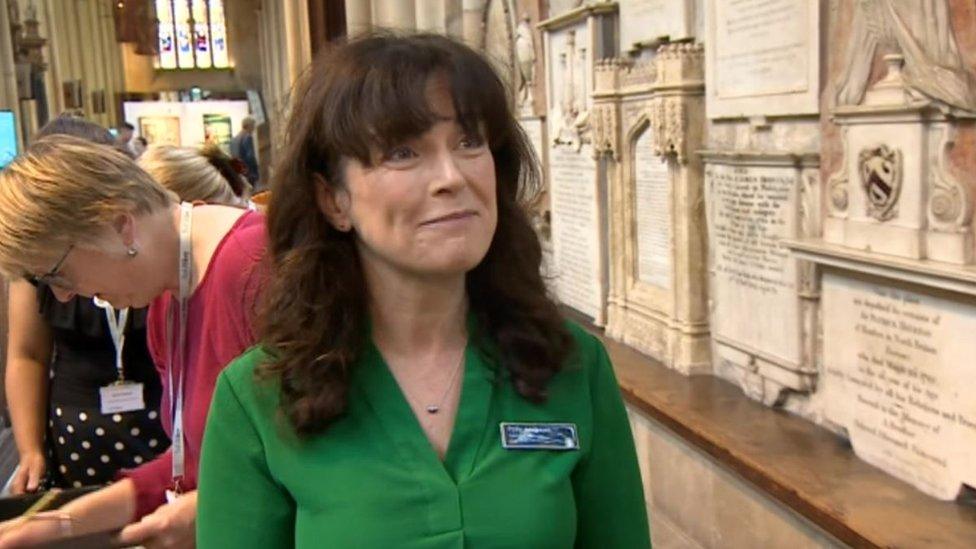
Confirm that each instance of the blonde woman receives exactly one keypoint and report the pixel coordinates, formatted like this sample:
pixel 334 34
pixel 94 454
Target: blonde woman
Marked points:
pixel 112 231
pixel 60 358
pixel 197 175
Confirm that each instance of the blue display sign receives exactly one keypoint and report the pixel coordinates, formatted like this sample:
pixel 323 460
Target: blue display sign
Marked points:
pixel 8 137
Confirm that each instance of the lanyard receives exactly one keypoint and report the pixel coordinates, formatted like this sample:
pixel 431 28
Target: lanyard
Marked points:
pixel 116 326
pixel 176 402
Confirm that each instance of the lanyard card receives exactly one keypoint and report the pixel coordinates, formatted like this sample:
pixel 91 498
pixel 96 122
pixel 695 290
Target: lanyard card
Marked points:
pixel 122 397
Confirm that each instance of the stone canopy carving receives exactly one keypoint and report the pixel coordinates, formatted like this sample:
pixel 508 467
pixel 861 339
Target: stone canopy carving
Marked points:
pixel 668 120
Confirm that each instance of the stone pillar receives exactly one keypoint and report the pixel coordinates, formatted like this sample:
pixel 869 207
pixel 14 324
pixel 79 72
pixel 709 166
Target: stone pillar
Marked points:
pixel 8 71
pixel 395 14
pixel 358 16
pixel 452 18
pixel 299 45
pixel 472 23
pixel 430 15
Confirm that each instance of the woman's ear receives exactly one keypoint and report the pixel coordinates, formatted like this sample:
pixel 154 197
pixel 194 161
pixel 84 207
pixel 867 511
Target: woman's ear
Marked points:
pixel 124 225
pixel 334 203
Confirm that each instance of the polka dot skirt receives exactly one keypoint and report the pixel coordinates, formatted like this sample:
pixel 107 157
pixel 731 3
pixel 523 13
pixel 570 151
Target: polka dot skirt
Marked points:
pixel 88 448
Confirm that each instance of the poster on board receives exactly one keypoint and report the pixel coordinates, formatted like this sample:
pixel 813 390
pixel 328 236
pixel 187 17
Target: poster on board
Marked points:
pixel 217 131
pixel 160 130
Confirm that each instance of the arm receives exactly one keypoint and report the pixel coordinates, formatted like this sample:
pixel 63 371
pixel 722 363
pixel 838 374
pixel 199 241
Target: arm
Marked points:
pixel 607 482
pixel 107 509
pixel 240 504
pixel 29 354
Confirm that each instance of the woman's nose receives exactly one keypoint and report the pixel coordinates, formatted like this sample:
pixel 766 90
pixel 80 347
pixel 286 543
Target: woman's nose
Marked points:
pixel 449 177
pixel 62 295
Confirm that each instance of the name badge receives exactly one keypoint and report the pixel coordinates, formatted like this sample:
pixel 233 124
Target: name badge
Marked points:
pixel 121 397
pixel 539 436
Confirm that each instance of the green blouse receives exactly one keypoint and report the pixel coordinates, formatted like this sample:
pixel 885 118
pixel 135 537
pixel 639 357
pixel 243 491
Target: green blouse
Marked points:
pixel 372 480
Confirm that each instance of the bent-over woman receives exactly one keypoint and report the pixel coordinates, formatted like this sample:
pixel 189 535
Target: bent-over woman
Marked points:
pixel 114 232
pixel 63 361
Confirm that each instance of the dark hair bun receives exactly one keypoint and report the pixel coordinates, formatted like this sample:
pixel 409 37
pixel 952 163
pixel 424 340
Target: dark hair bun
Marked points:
pixel 229 168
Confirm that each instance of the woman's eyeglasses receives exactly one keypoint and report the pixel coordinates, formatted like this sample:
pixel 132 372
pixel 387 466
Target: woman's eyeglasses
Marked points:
pixel 53 277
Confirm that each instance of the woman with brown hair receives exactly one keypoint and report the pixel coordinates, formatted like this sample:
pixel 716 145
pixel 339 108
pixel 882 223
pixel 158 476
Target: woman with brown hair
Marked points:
pixel 416 386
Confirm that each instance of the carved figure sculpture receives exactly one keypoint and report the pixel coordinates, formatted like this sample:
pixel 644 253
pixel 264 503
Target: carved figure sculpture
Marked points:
pixel 525 55
pixel 921 31
pixel 574 119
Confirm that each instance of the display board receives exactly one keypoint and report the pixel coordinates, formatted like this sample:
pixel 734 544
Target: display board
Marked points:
pixel 8 137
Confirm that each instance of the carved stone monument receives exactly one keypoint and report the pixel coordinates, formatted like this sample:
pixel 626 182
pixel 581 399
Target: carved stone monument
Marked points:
pixel 763 318
pixel 657 300
pixel 898 282
pixel 574 41
pixel 894 193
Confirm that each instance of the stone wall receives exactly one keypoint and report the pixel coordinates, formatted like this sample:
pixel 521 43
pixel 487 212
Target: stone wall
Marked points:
pixel 693 502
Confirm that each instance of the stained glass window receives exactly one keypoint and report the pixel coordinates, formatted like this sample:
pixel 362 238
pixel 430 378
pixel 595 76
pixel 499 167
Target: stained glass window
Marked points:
pixel 218 33
pixel 192 34
pixel 167 38
pixel 201 34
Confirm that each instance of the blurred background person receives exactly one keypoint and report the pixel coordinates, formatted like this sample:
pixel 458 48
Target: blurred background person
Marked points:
pixel 197 175
pixel 242 148
pixel 123 138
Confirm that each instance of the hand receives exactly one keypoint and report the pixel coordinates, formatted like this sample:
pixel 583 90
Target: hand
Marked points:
pixel 29 473
pixel 172 525
pixel 41 528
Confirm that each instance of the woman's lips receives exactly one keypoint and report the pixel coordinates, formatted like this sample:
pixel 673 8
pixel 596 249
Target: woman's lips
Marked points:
pixel 449 219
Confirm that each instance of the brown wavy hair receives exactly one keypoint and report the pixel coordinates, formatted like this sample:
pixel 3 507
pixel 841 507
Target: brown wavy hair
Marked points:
pixel 370 93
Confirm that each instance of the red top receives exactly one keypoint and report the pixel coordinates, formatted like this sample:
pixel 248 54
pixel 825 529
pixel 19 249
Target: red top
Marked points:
pixel 219 328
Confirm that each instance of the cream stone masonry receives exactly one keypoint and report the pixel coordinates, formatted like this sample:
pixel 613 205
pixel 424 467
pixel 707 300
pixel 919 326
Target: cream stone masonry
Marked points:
pixel 763 301
pixel 573 42
pixel 762 58
pixel 651 116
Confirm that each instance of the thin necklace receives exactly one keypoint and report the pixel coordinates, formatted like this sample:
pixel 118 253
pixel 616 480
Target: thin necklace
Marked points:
pixel 434 408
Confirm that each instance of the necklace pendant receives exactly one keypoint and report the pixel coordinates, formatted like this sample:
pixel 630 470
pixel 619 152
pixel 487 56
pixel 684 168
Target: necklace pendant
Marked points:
pixel 433 408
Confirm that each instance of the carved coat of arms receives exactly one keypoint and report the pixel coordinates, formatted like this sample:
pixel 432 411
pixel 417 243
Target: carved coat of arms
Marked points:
pixel 880 170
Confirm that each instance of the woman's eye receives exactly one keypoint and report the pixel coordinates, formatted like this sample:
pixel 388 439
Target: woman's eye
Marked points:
pixel 399 154
pixel 472 142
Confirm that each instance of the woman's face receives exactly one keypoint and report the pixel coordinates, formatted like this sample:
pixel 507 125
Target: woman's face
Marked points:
pixel 104 269
pixel 427 206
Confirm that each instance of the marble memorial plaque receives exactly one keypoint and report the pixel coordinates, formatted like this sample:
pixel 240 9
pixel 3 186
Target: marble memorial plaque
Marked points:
pixel 751 209
pixel 653 214
pixel 762 57
pixel 899 369
pixel 576 229
pixel 646 20
pixel 534 131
